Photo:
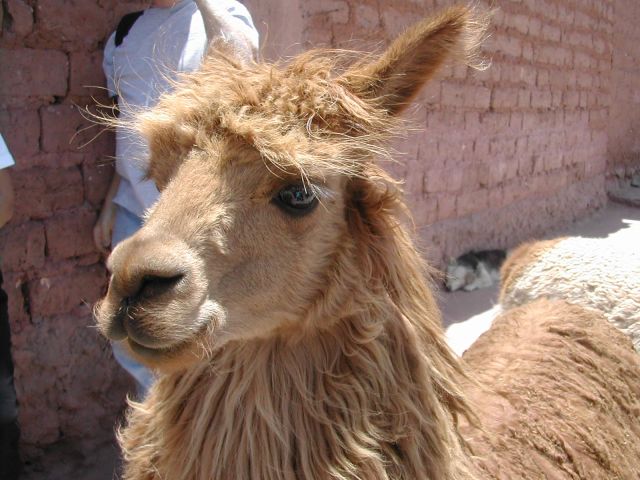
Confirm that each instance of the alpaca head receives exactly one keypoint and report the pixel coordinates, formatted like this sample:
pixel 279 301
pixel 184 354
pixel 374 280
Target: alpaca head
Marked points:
pixel 271 204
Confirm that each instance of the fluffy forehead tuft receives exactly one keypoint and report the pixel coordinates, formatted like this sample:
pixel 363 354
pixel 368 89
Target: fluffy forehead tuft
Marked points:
pixel 301 116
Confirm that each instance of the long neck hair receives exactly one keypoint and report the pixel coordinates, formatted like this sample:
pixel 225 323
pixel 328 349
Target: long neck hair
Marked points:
pixel 371 393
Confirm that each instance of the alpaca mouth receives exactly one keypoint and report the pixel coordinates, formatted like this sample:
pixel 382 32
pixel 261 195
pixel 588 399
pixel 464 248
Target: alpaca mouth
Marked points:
pixel 151 352
pixel 148 346
pixel 145 333
pixel 153 349
pixel 128 324
pixel 138 335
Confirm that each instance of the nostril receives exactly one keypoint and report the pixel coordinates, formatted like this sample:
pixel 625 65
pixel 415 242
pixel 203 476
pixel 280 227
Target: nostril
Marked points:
pixel 154 285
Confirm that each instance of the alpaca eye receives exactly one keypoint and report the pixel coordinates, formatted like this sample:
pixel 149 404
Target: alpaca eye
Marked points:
pixel 296 199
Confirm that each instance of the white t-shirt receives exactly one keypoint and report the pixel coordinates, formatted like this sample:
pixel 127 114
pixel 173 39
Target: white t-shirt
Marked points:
pixel 6 159
pixel 161 43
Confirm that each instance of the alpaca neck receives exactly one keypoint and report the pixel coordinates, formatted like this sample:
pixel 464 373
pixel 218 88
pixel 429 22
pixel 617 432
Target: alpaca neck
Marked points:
pixel 353 401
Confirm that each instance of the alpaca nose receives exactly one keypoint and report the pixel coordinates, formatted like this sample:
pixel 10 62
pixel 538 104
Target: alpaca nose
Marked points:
pixel 156 292
pixel 150 288
pixel 153 286
pixel 145 279
pixel 148 265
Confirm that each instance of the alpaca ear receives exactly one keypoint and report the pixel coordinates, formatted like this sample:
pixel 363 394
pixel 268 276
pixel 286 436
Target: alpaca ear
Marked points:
pixel 413 58
pixel 169 139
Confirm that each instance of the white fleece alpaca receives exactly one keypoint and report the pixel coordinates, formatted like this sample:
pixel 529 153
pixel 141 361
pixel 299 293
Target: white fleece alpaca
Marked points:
pixel 599 273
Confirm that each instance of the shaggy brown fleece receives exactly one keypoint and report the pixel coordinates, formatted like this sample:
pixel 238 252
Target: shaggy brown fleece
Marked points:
pixel 598 273
pixel 369 393
pixel 561 396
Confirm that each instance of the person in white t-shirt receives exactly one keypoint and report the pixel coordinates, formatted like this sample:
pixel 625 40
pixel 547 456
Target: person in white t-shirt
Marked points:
pixel 6 187
pixel 141 60
pixel 9 432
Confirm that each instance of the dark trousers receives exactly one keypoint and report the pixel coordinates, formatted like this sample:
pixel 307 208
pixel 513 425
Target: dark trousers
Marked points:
pixel 9 433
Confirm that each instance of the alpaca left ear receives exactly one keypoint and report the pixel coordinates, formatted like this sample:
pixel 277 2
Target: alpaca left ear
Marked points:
pixel 413 58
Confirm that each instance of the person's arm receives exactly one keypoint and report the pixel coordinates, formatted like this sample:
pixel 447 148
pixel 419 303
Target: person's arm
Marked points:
pixel 103 228
pixel 218 21
pixel 107 65
pixel 104 225
pixel 6 197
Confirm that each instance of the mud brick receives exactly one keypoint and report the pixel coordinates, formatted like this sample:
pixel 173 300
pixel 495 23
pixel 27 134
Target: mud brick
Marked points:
pixel 69 233
pixel 27 72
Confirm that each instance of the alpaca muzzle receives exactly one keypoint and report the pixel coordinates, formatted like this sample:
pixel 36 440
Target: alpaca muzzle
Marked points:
pixel 127 319
pixel 154 294
pixel 132 308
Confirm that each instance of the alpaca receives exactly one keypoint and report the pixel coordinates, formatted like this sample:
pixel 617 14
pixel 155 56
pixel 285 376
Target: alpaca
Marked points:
pixel 563 396
pixel 277 292
pixel 599 273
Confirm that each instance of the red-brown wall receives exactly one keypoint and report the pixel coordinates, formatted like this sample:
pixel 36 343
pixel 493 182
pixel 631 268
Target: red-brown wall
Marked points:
pixel 521 148
pixel 497 157
pixel 623 122
pixel 67 383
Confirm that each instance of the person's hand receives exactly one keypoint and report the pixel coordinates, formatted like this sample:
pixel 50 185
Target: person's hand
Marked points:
pixel 104 227
pixel 6 197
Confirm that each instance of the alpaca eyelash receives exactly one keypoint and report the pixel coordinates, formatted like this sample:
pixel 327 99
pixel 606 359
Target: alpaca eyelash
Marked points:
pixel 322 192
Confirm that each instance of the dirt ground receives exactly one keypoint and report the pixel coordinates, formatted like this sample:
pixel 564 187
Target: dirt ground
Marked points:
pixel 60 462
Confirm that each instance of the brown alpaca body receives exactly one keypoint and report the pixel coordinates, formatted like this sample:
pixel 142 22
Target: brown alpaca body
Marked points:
pixel 598 273
pixel 560 396
pixel 290 315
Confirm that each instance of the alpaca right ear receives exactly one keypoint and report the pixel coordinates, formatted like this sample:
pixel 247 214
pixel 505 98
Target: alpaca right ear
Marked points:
pixel 414 57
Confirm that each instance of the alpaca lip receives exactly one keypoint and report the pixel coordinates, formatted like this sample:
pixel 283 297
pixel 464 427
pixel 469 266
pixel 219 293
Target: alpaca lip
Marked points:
pixel 148 352
pixel 137 334
pixel 155 352
pixel 115 328
pixel 127 325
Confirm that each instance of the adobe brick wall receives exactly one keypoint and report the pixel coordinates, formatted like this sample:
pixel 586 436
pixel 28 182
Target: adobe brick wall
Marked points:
pixel 497 157
pixel 510 153
pixel 624 117
pixel 67 383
